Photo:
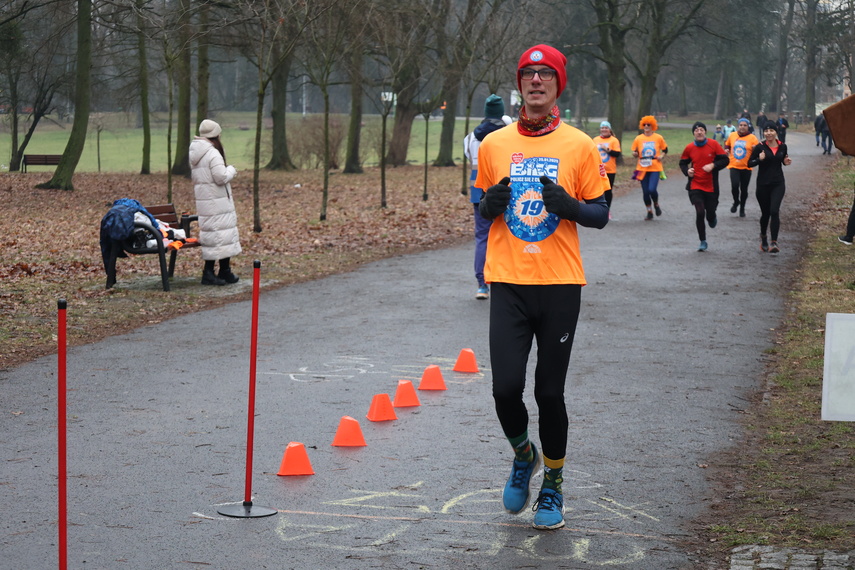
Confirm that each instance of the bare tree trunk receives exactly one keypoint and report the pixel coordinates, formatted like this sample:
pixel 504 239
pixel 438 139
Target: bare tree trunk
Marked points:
pixel 612 44
pixel 64 172
pixel 259 113
pixel 280 158
pixel 811 51
pixel 181 166
pixel 145 113
pixel 450 93
pixel 402 128
pixel 203 67
pixel 719 95
pixel 783 48
pixel 326 192
pixel 352 163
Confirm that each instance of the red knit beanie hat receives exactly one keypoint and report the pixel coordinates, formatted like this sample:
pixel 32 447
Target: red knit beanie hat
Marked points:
pixel 543 54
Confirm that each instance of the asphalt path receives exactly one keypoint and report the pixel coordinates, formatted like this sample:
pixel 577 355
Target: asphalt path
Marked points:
pixel 668 350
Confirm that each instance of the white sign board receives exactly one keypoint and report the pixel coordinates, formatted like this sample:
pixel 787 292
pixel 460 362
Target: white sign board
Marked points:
pixel 838 381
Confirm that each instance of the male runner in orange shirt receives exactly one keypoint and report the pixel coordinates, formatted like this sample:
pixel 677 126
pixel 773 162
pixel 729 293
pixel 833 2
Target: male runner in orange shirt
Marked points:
pixel 543 177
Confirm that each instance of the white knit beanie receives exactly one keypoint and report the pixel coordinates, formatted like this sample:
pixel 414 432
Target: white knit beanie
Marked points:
pixel 209 129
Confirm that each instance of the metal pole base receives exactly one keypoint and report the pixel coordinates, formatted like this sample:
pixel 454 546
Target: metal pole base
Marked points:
pixel 246 511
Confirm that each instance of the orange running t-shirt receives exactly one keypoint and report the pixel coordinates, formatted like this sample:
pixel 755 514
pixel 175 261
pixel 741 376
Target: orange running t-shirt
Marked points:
pixel 740 150
pixel 648 148
pixel 604 146
pixel 528 245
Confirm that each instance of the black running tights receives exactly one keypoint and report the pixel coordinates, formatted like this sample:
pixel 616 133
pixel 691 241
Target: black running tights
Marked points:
pixel 519 314
pixel 739 180
pixel 770 196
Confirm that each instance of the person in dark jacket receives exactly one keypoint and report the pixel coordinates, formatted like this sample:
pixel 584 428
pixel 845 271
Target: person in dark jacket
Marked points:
pixel 783 124
pixel 700 162
pixel 770 156
pixel 825 134
pixel 816 123
pixel 494 119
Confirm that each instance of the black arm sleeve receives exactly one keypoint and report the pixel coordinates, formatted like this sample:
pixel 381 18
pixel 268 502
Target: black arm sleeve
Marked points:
pixel 684 165
pixel 721 161
pixel 593 213
pixel 755 152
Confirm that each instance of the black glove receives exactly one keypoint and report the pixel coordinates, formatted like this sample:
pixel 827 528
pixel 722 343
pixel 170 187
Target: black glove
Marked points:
pixel 557 201
pixel 495 200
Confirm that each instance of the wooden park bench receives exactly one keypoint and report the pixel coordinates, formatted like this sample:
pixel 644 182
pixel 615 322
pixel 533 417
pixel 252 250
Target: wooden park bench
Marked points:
pixel 165 213
pixel 40 160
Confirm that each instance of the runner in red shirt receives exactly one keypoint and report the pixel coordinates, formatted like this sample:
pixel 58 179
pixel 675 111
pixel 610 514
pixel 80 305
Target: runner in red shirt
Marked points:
pixel 701 160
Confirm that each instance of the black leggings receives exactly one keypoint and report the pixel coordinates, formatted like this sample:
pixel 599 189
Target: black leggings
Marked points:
pixel 739 179
pixel 518 314
pixel 608 193
pixel 770 196
pixel 705 204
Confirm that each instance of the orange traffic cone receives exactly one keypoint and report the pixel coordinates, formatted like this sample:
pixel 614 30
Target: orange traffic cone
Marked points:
pixel 466 361
pixel 405 395
pixel 432 379
pixel 349 433
pixel 295 461
pixel 381 409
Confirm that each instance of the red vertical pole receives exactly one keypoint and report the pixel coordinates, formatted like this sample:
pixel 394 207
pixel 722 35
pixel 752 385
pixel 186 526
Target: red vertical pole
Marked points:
pixel 253 351
pixel 61 431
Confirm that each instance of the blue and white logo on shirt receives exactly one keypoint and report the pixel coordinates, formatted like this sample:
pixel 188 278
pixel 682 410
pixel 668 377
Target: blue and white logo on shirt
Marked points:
pixel 648 153
pixel 739 150
pixel 527 217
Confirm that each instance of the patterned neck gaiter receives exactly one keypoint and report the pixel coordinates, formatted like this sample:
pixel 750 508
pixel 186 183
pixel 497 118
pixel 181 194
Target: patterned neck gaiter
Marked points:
pixel 536 127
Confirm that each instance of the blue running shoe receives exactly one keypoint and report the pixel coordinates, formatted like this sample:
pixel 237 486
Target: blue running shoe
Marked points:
pixel 548 510
pixel 515 494
pixel 483 292
pixel 703 246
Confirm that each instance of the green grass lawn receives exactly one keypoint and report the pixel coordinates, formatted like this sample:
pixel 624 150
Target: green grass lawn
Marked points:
pixel 119 143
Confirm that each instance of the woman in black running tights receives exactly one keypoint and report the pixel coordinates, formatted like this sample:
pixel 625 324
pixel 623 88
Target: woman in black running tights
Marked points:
pixel 770 156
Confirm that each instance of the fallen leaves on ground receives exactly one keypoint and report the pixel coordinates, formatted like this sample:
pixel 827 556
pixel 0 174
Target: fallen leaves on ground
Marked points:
pixel 49 245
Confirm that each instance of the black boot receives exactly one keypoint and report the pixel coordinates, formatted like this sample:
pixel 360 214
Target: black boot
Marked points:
pixel 226 273
pixel 208 277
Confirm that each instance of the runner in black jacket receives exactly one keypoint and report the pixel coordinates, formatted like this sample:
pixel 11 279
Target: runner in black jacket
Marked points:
pixel 770 156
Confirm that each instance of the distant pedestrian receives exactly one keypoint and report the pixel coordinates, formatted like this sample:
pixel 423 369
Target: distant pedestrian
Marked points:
pixel 494 119
pixel 825 134
pixel 728 128
pixel 650 149
pixel 609 147
pixel 770 156
pixel 738 147
pixel 783 124
pixel 760 121
pixel 816 123
pixel 700 162
pixel 215 205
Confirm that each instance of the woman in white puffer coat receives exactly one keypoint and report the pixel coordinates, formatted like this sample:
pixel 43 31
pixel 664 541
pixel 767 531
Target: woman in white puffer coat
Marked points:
pixel 215 206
